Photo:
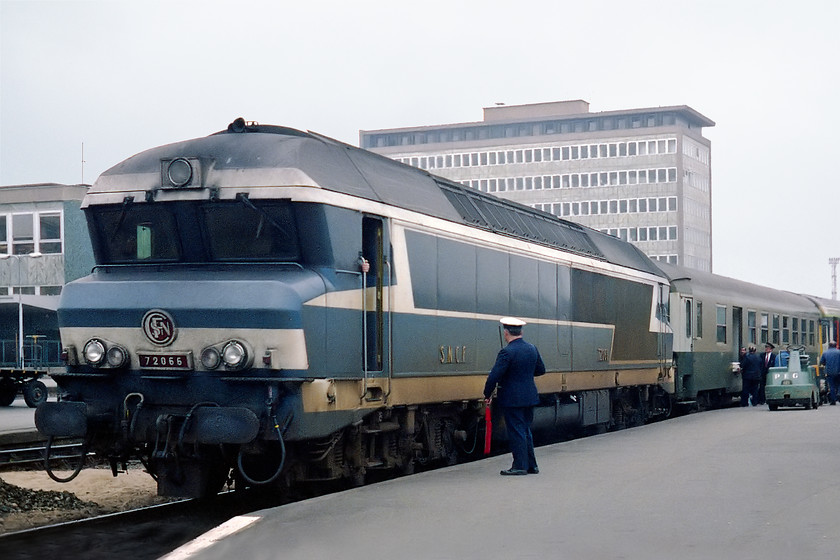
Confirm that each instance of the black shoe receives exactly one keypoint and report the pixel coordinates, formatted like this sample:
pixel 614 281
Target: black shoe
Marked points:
pixel 513 472
pixel 832 404
pixel 535 470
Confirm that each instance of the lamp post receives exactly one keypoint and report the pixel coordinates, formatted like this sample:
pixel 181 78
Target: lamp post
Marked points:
pixel 5 256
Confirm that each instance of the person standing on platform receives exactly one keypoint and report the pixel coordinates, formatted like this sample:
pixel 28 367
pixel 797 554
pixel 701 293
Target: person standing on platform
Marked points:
pixel 768 360
pixel 831 361
pixel 516 366
pixel 750 374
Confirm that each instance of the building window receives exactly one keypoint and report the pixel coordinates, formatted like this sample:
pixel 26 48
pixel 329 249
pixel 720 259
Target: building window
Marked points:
pixel 23 234
pixel 49 232
pixel 776 328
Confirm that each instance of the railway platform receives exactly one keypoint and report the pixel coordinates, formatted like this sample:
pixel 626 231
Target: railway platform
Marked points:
pixel 734 483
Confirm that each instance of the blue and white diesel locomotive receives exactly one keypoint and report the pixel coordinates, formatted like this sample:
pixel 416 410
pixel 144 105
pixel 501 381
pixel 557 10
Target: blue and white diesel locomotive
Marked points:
pixel 287 308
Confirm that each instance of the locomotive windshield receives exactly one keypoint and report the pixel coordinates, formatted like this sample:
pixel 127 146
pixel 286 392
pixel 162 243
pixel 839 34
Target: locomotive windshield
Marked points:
pixel 227 231
pixel 244 230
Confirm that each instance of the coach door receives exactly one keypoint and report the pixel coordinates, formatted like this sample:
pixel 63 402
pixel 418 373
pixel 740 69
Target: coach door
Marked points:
pixel 374 305
pixel 737 329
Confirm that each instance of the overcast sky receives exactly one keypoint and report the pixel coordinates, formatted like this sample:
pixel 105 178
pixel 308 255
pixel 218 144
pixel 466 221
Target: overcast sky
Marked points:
pixel 124 76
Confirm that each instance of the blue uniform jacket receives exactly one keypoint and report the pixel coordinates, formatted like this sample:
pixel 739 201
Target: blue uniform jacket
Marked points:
pixel 831 360
pixel 516 366
pixel 751 370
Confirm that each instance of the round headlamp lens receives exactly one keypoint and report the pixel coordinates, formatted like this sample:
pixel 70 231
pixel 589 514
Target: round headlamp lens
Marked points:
pixel 94 352
pixel 210 358
pixel 234 354
pixel 179 172
pixel 116 356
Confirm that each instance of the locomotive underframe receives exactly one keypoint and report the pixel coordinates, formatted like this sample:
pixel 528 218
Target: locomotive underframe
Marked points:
pixel 194 451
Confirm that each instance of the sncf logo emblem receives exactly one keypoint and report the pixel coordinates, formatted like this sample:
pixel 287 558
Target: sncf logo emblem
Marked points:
pixel 159 327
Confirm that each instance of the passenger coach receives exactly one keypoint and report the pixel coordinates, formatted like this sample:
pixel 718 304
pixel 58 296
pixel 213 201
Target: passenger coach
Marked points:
pixel 713 316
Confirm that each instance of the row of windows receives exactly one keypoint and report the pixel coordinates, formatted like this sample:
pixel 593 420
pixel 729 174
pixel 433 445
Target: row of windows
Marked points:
pixel 652 233
pixel 696 180
pixel 622 206
pixel 575 180
pixel 670 259
pixel 24 233
pixel 519 130
pixel 695 151
pixel 32 290
pixel 783 329
pixel 537 155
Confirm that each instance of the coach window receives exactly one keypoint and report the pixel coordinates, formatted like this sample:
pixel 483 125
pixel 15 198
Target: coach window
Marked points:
pixel 698 329
pixel 4 236
pixel 751 327
pixel 776 328
pixel 765 327
pixel 785 329
pixel 721 323
pixel 688 318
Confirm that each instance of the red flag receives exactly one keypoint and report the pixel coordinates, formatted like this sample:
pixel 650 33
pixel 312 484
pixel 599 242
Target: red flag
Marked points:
pixel 488 429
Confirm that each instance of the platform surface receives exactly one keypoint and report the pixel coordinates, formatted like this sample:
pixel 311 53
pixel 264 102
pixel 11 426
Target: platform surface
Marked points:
pixel 740 483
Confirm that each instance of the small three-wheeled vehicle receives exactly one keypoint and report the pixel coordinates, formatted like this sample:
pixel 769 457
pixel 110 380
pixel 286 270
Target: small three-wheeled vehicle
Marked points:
pixel 794 383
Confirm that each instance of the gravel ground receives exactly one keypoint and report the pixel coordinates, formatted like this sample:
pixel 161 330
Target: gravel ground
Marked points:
pixel 31 499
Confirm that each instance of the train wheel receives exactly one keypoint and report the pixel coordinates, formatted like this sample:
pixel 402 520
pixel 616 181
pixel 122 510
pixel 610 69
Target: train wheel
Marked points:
pixel 34 393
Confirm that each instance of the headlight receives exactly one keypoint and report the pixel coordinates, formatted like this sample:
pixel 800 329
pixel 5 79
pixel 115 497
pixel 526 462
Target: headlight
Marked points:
pixel 94 352
pixel 179 172
pixel 234 355
pixel 210 358
pixel 116 356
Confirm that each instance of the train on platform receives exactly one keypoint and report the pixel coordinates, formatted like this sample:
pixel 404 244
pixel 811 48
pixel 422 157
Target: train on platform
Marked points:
pixel 274 307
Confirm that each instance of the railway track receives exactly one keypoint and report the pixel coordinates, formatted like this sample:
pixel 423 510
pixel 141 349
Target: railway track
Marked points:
pixel 140 534
pixel 30 455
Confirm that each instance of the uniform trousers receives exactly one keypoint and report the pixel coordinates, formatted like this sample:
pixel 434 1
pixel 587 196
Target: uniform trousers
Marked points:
pixel 833 382
pixel 518 421
pixel 749 390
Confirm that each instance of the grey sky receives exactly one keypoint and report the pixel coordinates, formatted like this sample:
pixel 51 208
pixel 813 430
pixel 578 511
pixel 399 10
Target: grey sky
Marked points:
pixel 124 76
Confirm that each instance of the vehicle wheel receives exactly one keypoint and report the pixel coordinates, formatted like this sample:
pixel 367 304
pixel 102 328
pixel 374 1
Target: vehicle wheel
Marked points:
pixel 809 405
pixel 34 393
pixel 8 392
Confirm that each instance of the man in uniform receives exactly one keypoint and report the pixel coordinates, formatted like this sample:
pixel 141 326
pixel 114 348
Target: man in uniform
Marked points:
pixel 750 374
pixel 831 361
pixel 768 360
pixel 516 366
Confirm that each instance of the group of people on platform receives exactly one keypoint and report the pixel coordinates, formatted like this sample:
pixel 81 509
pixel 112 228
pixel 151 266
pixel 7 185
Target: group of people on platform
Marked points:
pixel 511 381
pixel 754 369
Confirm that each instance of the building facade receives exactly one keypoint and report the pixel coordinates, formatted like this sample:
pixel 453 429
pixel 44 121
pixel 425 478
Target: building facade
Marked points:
pixel 643 175
pixel 44 243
